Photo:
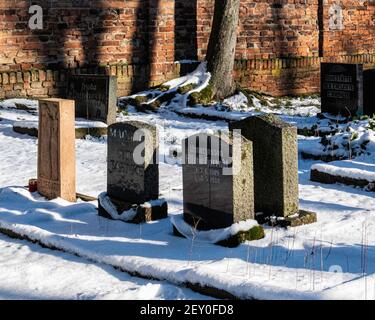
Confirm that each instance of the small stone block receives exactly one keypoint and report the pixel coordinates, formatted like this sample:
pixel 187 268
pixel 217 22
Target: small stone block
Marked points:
pixel 255 233
pixel 145 212
pixel 303 218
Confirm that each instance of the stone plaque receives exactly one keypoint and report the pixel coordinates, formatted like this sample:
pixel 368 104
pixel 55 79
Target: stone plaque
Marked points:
pixel 133 171
pixel 275 164
pixel 217 191
pixel 95 96
pixel 342 88
pixel 56 149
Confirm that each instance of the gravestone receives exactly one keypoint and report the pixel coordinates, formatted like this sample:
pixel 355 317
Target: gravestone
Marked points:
pixel 133 171
pixel 275 153
pixel 56 149
pixel 217 191
pixel 95 96
pixel 347 89
pixel 342 88
pixel 369 92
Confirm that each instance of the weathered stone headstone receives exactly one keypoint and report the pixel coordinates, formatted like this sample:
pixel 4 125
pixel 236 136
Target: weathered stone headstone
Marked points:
pixel 342 88
pixel 56 149
pixel 217 181
pixel 133 171
pixel 95 96
pixel 275 154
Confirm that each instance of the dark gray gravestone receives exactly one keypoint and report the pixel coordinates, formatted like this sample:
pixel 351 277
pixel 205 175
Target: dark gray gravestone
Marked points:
pixel 275 155
pixel 342 88
pixel 133 174
pixel 369 92
pixel 213 196
pixel 95 96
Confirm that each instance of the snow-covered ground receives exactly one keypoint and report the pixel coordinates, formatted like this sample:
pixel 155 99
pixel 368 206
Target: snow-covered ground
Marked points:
pixel 333 258
pixel 30 272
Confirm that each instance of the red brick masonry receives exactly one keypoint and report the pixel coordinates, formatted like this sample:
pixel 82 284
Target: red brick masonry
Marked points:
pixel 280 45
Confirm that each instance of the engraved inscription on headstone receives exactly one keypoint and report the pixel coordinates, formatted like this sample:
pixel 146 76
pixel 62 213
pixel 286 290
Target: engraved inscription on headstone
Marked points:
pixel 342 88
pixel 133 172
pixel 95 96
pixel 217 181
pixel 56 149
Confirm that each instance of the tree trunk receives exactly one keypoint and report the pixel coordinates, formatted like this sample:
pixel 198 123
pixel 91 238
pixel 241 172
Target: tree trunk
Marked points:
pixel 221 47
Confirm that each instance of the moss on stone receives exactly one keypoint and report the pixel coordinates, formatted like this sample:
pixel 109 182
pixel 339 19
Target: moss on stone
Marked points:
pixel 258 95
pixel 186 88
pixel 255 233
pixel 203 97
pixel 288 103
pixel 163 88
pixel 153 106
pixel 166 97
pixel 304 217
pixel 139 100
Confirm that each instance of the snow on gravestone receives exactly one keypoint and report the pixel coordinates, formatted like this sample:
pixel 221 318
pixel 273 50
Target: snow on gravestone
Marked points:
pixel 95 96
pixel 133 171
pixel 275 154
pixel 56 149
pixel 217 181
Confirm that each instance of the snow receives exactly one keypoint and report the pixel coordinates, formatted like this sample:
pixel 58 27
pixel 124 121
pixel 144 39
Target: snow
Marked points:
pixel 211 236
pixel 350 139
pixel 200 77
pixel 290 263
pixel 111 209
pixel 80 123
pixel 11 103
pixel 355 169
pixel 236 107
pixel 287 264
pixel 29 272
pixel 238 101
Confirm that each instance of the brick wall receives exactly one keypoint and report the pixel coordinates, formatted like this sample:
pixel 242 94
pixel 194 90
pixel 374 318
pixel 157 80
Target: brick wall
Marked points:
pixel 280 42
pixel 358 33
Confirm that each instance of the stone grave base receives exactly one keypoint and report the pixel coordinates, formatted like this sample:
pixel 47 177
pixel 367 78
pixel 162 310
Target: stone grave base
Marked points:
pixel 255 232
pixel 33 132
pixel 320 157
pixel 85 198
pixel 303 217
pixel 146 212
pixel 327 178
